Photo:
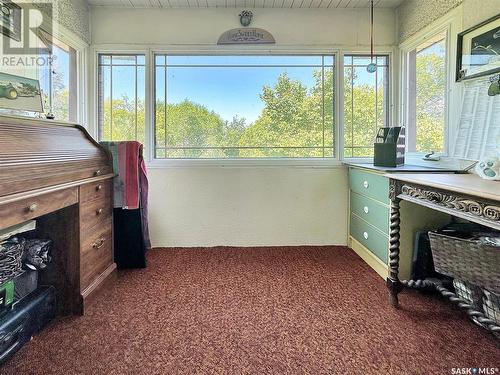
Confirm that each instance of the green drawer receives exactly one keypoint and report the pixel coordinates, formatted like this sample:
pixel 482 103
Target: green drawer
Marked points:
pixel 370 237
pixel 371 211
pixel 370 184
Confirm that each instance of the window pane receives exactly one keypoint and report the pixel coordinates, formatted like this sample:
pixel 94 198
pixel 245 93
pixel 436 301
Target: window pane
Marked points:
pixel 121 98
pixel 365 104
pixel 244 106
pixel 57 80
pixel 123 60
pixel 244 60
pixel 430 72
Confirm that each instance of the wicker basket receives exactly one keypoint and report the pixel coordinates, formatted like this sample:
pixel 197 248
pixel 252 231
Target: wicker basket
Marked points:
pixel 491 306
pixel 467 260
pixel 11 252
pixel 470 293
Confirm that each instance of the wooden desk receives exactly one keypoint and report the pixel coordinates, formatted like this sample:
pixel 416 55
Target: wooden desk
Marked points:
pixel 56 173
pixel 462 195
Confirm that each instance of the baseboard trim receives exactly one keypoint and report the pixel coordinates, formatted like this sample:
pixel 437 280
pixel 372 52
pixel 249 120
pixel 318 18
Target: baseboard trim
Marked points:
pixel 88 295
pixel 368 257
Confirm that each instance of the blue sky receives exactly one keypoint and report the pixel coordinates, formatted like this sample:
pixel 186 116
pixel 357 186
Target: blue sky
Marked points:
pixel 222 87
pixel 227 91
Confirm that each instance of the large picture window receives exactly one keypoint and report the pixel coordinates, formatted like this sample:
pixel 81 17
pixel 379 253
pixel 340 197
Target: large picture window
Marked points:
pixel 121 98
pixel 244 106
pixel 366 103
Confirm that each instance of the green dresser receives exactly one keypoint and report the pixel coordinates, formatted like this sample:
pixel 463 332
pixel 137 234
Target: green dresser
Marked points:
pixel 369 213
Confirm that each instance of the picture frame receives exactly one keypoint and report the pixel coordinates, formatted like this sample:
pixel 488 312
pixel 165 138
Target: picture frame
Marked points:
pixel 10 19
pixel 20 93
pixel 478 50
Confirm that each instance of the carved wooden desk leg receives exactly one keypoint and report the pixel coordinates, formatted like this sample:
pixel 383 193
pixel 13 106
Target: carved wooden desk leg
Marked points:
pixel 393 283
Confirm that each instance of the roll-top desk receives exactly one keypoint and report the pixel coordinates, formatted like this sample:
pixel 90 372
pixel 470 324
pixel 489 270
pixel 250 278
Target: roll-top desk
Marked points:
pixel 56 173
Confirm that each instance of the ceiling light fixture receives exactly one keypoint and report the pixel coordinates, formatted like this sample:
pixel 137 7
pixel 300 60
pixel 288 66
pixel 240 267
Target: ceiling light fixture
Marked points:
pixel 372 67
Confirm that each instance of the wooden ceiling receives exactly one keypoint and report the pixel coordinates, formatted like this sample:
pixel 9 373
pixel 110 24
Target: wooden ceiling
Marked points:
pixel 244 3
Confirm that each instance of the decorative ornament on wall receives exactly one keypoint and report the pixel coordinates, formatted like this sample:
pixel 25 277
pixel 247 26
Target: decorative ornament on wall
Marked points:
pixel 246 18
pixel 246 35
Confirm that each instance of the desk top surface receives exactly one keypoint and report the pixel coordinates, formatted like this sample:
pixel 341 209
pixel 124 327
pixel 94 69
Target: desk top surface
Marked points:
pixel 402 168
pixel 469 184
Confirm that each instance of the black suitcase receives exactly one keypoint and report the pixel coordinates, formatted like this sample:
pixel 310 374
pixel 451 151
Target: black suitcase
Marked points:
pixel 26 318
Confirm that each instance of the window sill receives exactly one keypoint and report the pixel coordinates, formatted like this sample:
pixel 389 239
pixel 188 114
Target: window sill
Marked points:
pixel 243 163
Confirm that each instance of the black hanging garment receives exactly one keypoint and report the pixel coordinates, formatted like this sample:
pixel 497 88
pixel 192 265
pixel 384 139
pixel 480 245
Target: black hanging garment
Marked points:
pixel 130 196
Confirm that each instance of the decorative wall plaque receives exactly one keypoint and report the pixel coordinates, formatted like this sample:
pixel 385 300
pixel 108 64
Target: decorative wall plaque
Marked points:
pixel 246 36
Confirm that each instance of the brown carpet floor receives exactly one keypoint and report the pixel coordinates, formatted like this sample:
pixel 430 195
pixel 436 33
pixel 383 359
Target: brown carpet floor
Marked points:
pixel 285 310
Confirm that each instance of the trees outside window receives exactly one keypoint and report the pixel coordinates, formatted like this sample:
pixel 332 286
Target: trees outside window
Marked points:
pixel 426 95
pixel 121 97
pixel 259 106
pixel 366 103
pixel 244 106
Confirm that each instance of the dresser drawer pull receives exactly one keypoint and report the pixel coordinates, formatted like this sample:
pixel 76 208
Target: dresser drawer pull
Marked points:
pixel 98 244
pixel 98 211
pixel 365 208
pixel 32 207
pixel 98 188
pixel 97 173
pixel 366 184
pixel 365 235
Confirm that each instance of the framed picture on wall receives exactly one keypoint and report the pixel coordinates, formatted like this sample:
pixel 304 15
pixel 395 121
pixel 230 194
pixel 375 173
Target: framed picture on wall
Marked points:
pixel 20 93
pixel 10 19
pixel 478 50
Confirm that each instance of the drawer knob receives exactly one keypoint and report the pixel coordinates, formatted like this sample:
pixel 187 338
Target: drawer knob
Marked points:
pixel 365 208
pixel 98 244
pixel 366 184
pixel 97 173
pixel 98 211
pixel 98 187
pixel 365 235
pixel 33 207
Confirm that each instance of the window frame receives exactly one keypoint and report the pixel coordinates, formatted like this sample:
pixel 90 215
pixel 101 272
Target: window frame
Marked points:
pixel 151 50
pixel 449 24
pixel 389 94
pixel 247 53
pixel 97 68
pixel 81 48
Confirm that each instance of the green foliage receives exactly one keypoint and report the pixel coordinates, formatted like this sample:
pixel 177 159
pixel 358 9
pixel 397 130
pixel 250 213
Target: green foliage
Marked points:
pixel 296 121
pixel 363 118
pixel 431 81
pixel 291 124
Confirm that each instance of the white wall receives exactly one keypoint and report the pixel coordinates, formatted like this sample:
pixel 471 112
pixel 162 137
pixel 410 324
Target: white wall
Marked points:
pixel 245 206
pixel 414 15
pixel 248 206
pixel 476 11
pixel 187 27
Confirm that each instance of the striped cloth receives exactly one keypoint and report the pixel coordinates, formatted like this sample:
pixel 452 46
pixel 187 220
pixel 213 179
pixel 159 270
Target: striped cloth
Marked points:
pixel 131 183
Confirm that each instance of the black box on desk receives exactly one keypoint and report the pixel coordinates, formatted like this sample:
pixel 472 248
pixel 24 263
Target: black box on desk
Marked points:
pixel 389 148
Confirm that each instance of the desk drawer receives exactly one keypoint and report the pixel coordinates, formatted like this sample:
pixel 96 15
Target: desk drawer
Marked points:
pixel 371 211
pixel 95 190
pixel 94 213
pixel 30 208
pixel 370 237
pixel 96 255
pixel 370 184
